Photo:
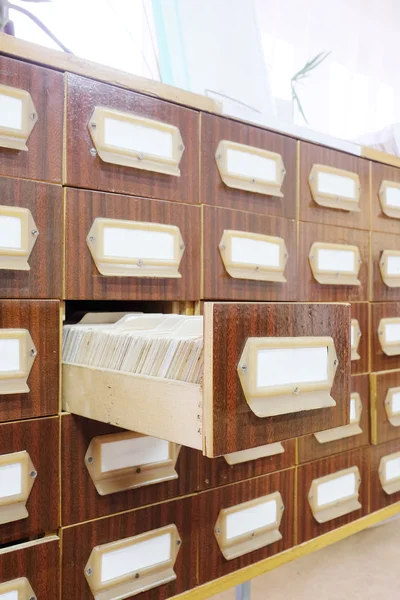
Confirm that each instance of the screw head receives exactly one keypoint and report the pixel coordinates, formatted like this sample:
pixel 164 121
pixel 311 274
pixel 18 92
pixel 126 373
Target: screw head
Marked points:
pixel 32 352
pixel 253 180
pixel 178 542
pixel 335 362
pixel 296 390
pixel 243 368
pixel 138 470
pixel 137 576
pixel 182 246
pixel 91 239
pixel 93 151
pixel 140 262
pixel 90 459
pixel 33 116
pixel 33 474
pixel 140 156
pixel 93 125
pixel 219 157
pixel 89 571
pixel 32 598
pixel 181 147
pixel 257 268
pixel 218 531
pixel 35 232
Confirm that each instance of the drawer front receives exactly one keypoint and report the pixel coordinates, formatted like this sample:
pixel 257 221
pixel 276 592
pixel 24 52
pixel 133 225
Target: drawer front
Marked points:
pixel 29 452
pixel 385 406
pixel 273 257
pixel 216 558
pixel 385 255
pixel 86 169
pixel 360 337
pixel 385 336
pixel 37 210
pixel 38 562
pixel 342 179
pixel 39 319
pixel 240 466
pixel 229 422
pixel 347 438
pixel 77 435
pixel 338 468
pixel 43 159
pixel 314 285
pixel 385 208
pixel 79 541
pixel 385 475
pixel 83 278
pixel 213 189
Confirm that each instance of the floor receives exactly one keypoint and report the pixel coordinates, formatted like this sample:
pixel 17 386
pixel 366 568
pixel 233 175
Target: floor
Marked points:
pixel 363 567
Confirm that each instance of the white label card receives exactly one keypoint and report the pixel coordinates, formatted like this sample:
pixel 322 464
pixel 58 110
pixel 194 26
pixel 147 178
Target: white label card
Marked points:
pixel 132 453
pixel 10 112
pixel 14 595
pixel 250 519
pixel 336 185
pixel 352 333
pixel 254 166
pixel 336 489
pixel 138 243
pixel 392 332
pixel 393 469
pixel 9 355
pixel 10 232
pixel 255 252
pixel 353 410
pixel 10 480
pixel 138 138
pixel 393 265
pixel 282 366
pixel 396 402
pixel 393 197
pixel 337 261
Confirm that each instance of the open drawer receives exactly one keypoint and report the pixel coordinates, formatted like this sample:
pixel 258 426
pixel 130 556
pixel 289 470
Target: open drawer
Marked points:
pixel 271 372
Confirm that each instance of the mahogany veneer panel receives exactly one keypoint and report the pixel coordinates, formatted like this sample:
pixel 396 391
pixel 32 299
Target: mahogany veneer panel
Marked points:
pixel 380 221
pixel 380 242
pixel 379 360
pixel 360 311
pixel 379 498
pixel 382 429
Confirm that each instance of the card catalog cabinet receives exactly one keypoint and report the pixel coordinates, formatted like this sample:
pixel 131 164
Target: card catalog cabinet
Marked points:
pixel 385 336
pixel 385 198
pixel 31 126
pixel 385 406
pixel 385 474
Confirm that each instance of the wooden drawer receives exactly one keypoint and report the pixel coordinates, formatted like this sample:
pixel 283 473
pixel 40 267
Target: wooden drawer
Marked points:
pixel 29 453
pixel 79 542
pixel 240 466
pixel 38 562
pixel 385 356
pixel 385 256
pixel 360 338
pixel 39 319
pixel 37 211
pixel 385 478
pixel 342 472
pixel 85 168
pixel 385 409
pixel 222 415
pixel 131 485
pixel 330 179
pixel 214 191
pixel 261 268
pixel 83 277
pixel 344 240
pixel 343 439
pixel 43 158
pixel 273 494
pixel 385 206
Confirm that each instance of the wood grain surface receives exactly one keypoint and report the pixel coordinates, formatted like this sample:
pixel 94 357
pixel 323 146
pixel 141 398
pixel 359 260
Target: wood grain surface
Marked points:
pixel 218 284
pixel 311 154
pixel 309 288
pixel 360 311
pixel 42 319
pixel 43 160
pixel 380 221
pixel 307 526
pixel 382 429
pixel 378 497
pixel 380 242
pixel 379 360
pixel 213 189
pixel 40 438
pixel 87 171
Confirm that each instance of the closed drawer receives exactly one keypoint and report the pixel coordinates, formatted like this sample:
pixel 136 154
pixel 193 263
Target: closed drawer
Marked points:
pixel 162 538
pixel 239 405
pixel 334 187
pixel 29 490
pixel 385 475
pixel 348 437
pixel 118 470
pixel 30 340
pixel 385 406
pixel 31 237
pixel 333 263
pixel 247 168
pixel 332 492
pixel 244 523
pixel 239 466
pixel 119 248
pixel 36 563
pixel 359 338
pixel 31 127
pixel 117 141
pixel 385 256
pixel 385 198
pixel 248 256
pixel 385 336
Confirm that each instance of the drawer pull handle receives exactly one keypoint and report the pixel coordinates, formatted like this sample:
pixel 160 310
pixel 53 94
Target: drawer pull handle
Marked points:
pixel 126 461
pixel 17 355
pixel 253 256
pixel 392 406
pixel 389 196
pixel 17 589
pixel 135 249
pixel 130 140
pixel 389 265
pixel 335 188
pixel 287 375
pixel 17 476
pixel 249 526
pixel 236 458
pixel 250 169
pixel 133 565
pixel 335 495
pixel 389 335
pixel 335 264
pixel 17 117
pixel 346 431
pixel 355 336
pixel 18 235
pixel 389 473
